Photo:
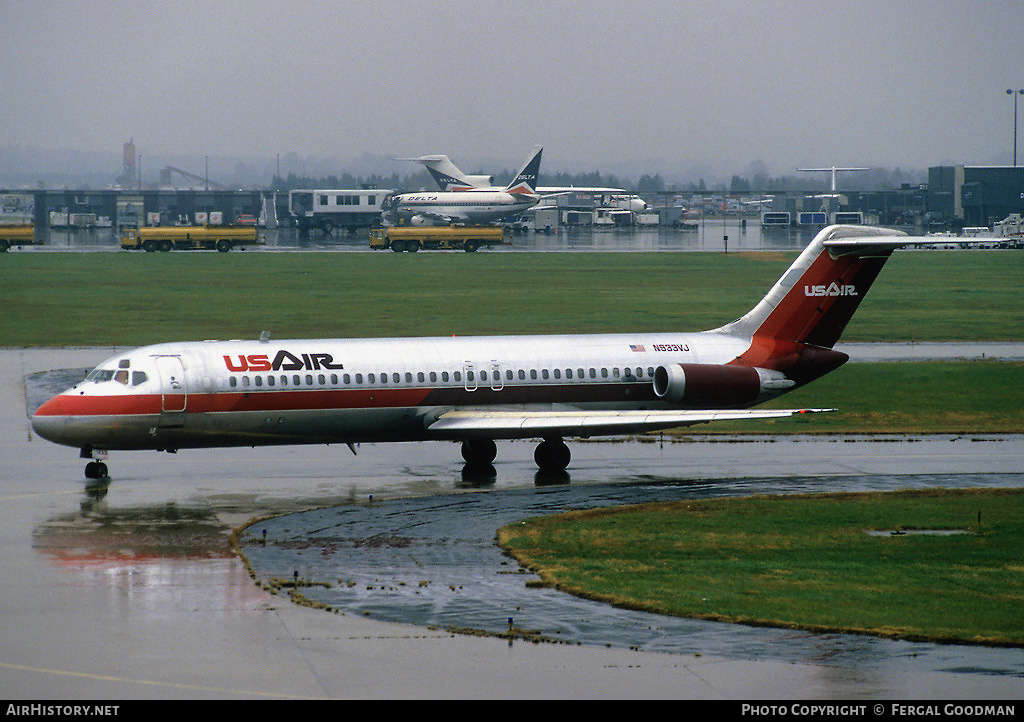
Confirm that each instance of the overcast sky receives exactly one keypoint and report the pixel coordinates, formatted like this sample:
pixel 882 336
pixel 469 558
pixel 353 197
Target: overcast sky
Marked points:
pixel 601 84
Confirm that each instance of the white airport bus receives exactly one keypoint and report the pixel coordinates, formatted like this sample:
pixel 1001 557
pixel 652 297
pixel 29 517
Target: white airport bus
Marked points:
pixel 326 210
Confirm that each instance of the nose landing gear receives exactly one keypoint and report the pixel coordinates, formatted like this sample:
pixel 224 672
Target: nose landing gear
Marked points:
pixel 96 468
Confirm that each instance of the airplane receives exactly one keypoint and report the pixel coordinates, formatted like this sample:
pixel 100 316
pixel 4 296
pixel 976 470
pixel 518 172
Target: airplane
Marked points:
pixel 449 178
pixel 475 390
pixel 476 206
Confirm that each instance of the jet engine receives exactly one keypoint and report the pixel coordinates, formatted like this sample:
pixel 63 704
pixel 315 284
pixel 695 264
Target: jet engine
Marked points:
pixel 717 385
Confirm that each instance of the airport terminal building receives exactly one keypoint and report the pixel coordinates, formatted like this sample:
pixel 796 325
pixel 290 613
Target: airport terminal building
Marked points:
pixel 954 197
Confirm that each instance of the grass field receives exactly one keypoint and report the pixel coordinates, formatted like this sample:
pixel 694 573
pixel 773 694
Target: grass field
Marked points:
pixel 127 299
pixel 806 562
pixel 935 397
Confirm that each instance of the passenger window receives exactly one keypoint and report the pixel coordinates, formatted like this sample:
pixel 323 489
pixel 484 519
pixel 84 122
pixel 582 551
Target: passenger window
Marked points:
pixel 347 379
pixel 544 374
pixel 558 373
pixel 270 381
pixel 359 379
pixel 444 376
pixel 420 378
pixel 433 376
pixel 232 382
pixel 309 379
pixel 296 380
pixel 258 380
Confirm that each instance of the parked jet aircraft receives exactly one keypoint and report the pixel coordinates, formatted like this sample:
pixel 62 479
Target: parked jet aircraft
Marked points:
pixel 468 206
pixel 475 389
pixel 449 178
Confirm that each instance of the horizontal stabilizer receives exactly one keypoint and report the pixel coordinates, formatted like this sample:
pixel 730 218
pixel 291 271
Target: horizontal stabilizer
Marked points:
pixel 483 423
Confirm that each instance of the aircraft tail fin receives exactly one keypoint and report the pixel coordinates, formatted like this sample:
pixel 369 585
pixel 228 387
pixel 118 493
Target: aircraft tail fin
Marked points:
pixel 525 182
pixel 806 311
pixel 445 173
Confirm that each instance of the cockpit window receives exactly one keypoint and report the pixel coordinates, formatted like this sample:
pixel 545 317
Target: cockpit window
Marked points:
pixel 121 376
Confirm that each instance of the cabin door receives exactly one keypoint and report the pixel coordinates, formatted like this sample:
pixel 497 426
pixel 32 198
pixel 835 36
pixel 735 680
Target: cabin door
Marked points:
pixel 173 390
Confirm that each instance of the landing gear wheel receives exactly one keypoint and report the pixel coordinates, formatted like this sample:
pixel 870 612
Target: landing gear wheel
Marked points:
pixel 95 470
pixel 479 451
pixel 552 455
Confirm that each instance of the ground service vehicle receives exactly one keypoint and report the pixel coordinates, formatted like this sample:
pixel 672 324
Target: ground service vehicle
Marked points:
pixel 191 238
pixel 433 238
pixel 326 210
pixel 16 235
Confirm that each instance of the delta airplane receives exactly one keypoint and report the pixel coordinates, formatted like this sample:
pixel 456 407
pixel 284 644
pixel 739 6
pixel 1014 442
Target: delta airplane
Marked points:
pixel 449 178
pixel 475 389
pixel 474 206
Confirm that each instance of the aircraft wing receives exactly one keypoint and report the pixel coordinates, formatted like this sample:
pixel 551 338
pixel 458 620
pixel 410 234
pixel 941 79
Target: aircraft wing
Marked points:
pixel 484 423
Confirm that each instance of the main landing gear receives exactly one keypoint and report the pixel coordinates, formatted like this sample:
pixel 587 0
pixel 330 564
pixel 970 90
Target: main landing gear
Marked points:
pixel 551 454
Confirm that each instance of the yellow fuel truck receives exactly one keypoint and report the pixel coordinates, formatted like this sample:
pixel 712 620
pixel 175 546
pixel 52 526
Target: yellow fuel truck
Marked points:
pixel 191 238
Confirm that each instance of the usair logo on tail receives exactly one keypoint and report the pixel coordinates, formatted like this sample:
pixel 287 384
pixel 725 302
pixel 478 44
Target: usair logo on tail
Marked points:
pixel 833 289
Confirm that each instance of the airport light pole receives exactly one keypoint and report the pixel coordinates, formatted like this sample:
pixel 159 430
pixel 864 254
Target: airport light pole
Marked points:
pixel 1010 91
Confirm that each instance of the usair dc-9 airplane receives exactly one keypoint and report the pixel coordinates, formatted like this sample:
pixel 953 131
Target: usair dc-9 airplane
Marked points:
pixel 475 389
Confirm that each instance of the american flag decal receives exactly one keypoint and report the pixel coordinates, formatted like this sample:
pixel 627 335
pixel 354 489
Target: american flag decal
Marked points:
pixel 636 347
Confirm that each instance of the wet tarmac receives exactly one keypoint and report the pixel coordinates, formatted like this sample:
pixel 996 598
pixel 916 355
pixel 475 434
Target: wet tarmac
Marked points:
pixel 713 234
pixel 131 590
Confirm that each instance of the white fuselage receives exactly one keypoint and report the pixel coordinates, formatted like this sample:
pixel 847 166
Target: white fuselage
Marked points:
pixel 232 393
pixel 465 206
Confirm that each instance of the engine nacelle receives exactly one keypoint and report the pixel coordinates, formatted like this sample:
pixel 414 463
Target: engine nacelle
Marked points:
pixel 480 181
pixel 716 385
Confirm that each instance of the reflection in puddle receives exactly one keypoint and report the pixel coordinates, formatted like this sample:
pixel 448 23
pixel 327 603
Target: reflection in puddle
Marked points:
pixel 99 535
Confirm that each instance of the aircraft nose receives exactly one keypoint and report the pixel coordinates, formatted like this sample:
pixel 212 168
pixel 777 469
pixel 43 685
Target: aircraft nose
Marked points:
pixel 48 420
